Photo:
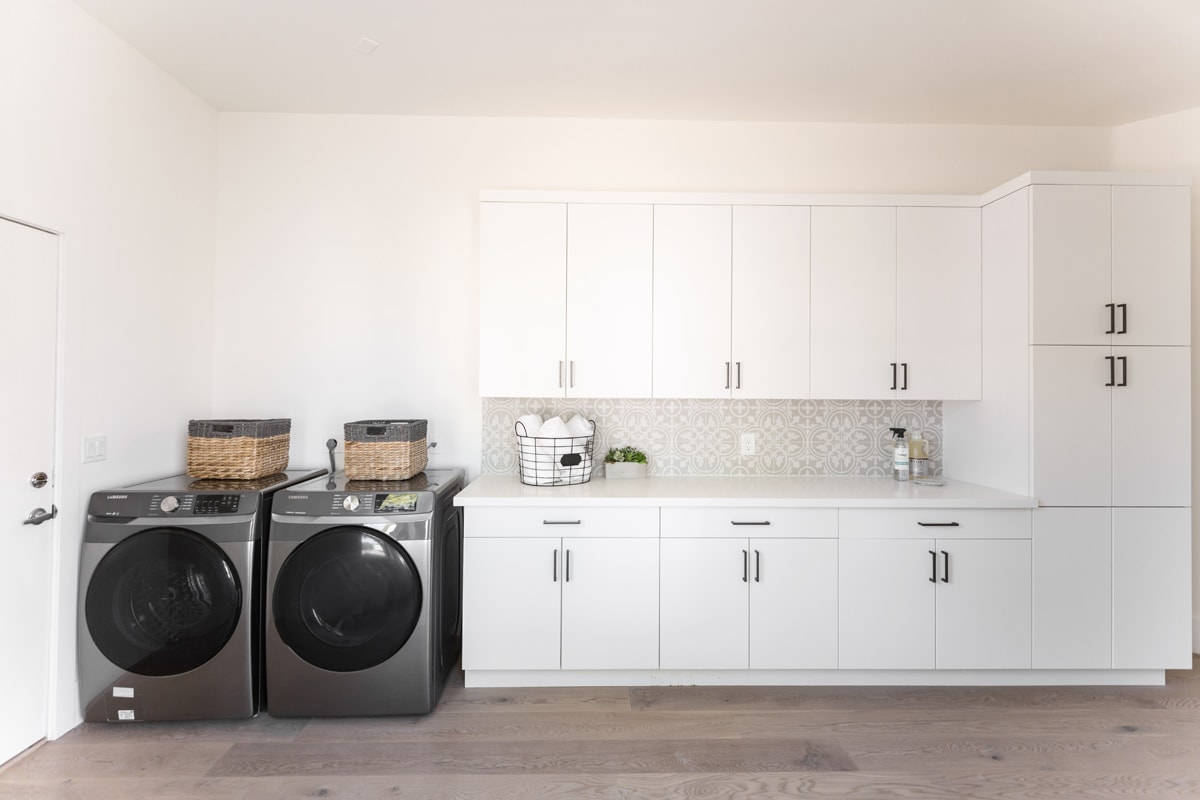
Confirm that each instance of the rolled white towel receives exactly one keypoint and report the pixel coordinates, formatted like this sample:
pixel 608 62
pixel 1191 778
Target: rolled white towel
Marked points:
pixel 578 426
pixel 529 424
pixel 553 428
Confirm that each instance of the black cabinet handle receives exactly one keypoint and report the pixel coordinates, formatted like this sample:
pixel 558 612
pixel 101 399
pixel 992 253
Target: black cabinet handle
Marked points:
pixel 745 567
pixel 938 524
pixel 555 569
pixel 932 567
pixel 1112 317
pixel 567 569
pixel 1112 371
pixel 727 374
pixel 1124 318
pixel 904 385
pixel 738 385
pixel 1124 370
pixel 893 376
pixel 757 566
pixel 736 522
pixel 945 567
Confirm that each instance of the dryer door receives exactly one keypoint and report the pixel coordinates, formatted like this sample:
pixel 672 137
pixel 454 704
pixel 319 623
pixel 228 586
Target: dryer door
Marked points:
pixel 347 599
pixel 162 602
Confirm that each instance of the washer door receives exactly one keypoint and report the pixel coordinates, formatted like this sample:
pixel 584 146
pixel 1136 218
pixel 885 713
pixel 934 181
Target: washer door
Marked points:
pixel 347 599
pixel 162 602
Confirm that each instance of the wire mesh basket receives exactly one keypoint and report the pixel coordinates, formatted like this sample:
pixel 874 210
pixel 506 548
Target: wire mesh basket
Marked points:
pixel 554 461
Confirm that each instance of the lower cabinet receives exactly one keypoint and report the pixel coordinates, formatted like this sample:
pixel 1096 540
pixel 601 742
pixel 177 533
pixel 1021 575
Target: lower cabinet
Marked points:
pixel 552 601
pixel 739 602
pixel 1112 588
pixel 957 602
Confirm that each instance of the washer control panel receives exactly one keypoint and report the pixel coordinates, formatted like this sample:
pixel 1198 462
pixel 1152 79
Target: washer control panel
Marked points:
pixel 170 504
pixel 352 504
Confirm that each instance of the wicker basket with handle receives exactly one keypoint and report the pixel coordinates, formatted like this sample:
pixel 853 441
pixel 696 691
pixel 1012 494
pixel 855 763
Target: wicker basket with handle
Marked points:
pixel 385 449
pixel 237 449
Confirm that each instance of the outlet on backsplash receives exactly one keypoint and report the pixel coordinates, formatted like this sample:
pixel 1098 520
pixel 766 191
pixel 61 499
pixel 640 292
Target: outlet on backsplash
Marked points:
pixel 748 444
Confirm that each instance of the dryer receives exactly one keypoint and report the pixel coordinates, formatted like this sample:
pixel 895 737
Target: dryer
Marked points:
pixel 364 595
pixel 170 599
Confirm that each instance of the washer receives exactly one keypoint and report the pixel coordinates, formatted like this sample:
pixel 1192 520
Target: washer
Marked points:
pixel 364 595
pixel 170 599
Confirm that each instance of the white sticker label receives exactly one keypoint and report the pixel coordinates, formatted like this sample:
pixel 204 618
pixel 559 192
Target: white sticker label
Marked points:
pixel 122 691
pixel 125 714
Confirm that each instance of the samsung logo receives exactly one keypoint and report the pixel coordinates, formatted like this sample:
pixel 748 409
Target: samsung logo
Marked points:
pixel 116 497
pixel 297 497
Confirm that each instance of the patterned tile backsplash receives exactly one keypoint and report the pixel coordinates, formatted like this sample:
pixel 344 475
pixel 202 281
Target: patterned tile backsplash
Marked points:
pixel 702 437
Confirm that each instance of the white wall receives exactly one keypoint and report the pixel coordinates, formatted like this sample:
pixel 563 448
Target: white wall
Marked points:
pixel 348 244
pixel 102 147
pixel 1172 143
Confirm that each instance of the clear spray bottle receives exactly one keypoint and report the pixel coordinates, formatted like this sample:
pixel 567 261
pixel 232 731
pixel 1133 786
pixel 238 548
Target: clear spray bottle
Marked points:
pixel 899 455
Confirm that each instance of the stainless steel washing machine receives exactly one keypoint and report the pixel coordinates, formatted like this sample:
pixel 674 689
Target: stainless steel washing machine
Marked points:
pixel 364 593
pixel 170 599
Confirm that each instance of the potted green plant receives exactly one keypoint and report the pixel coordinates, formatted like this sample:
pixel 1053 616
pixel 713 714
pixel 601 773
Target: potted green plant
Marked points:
pixel 625 462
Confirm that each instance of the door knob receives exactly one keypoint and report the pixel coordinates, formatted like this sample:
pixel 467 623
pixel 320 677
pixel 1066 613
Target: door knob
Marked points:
pixel 38 479
pixel 40 515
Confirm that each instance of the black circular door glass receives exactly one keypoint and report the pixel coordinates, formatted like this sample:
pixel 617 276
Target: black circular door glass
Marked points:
pixel 163 602
pixel 347 599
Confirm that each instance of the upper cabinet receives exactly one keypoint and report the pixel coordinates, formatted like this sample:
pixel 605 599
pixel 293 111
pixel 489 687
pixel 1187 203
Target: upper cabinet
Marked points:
pixel 896 303
pixel 565 299
pixel 1107 265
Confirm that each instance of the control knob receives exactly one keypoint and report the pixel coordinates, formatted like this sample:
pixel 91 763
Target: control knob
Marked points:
pixel 169 503
pixel 350 503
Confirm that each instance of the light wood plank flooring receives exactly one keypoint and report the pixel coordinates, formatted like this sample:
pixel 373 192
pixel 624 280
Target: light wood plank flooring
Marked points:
pixel 707 743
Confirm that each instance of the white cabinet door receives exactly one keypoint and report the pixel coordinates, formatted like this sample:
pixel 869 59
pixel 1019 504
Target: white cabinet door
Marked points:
pixel 1071 417
pixel 793 604
pixel 853 302
pixel 886 604
pixel 1151 426
pixel 705 604
pixel 692 273
pixel 610 604
pixel 938 305
pixel 609 296
pixel 1070 264
pixel 1152 597
pixel 1072 588
pixel 1151 264
pixel 511 603
pixel 522 299
pixel 770 301
pixel 984 604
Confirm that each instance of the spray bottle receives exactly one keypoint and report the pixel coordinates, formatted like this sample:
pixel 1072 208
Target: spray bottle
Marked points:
pixel 899 455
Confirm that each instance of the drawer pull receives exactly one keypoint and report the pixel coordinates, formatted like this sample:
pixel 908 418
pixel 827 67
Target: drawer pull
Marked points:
pixel 938 524
pixel 736 522
pixel 562 522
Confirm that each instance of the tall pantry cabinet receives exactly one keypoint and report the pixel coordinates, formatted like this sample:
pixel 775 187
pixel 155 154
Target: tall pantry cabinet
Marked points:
pixel 1094 400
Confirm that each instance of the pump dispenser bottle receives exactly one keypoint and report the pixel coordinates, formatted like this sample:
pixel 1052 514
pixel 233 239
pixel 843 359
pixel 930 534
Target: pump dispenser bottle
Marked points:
pixel 899 455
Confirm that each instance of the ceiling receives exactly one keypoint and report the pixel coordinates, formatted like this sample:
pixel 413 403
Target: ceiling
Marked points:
pixel 1018 62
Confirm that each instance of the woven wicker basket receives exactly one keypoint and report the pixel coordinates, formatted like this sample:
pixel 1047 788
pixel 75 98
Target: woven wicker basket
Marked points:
pixel 385 449
pixel 237 449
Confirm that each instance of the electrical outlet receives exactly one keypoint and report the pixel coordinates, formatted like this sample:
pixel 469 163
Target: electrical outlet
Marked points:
pixel 747 444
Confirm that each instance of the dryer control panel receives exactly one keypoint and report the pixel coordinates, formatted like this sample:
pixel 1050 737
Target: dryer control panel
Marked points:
pixel 355 504
pixel 170 504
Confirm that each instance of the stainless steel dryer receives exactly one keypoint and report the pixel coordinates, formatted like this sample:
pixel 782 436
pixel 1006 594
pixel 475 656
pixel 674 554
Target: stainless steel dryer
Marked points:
pixel 170 599
pixel 364 588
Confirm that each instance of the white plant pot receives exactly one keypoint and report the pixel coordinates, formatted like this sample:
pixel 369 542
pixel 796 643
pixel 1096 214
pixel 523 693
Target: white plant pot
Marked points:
pixel 625 469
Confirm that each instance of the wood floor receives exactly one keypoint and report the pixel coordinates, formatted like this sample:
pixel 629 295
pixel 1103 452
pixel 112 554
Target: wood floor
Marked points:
pixel 643 743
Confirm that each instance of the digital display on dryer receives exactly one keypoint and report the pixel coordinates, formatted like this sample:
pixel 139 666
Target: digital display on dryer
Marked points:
pixel 391 503
pixel 217 503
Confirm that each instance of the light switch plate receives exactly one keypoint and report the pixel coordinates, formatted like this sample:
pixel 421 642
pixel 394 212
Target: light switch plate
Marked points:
pixel 95 448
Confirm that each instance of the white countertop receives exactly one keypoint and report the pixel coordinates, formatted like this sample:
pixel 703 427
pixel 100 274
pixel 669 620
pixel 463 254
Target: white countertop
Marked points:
pixel 507 490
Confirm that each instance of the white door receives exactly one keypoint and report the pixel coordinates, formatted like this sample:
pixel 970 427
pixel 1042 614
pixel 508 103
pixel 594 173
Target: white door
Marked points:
pixel 1071 407
pixel 1152 597
pixel 853 303
pixel 522 299
pixel 1072 588
pixel 511 603
pixel 692 263
pixel 28 336
pixel 770 301
pixel 939 328
pixel 610 289
pixel 984 597
pixel 1070 265
pixel 886 603
pixel 705 603
pixel 1151 428
pixel 793 604
pixel 1151 264
pixel 610 604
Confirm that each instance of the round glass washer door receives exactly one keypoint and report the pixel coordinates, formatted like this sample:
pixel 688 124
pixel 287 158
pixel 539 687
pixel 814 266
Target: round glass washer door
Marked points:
pixel 347 599
pixel 163 602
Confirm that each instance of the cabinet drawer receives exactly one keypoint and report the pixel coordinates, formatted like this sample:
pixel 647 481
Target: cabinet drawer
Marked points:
pixel 555 521
pixel 761 523
pixel 935 523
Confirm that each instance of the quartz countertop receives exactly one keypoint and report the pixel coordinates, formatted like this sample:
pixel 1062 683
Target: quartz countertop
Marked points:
pixel 711 491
